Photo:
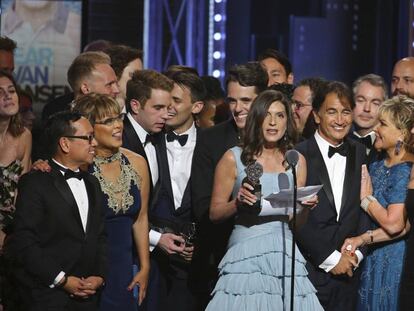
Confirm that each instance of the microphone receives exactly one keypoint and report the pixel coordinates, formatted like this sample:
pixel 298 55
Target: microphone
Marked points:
pixel 253 173
pixel 283 181
pixel 292 157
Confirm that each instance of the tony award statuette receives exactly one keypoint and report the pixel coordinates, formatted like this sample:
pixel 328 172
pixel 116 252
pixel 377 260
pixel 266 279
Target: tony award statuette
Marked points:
pixel 253 173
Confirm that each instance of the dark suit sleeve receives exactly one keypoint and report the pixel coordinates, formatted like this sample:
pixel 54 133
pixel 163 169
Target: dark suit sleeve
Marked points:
pixel 25 241
pixel 101 258
pixel 202 178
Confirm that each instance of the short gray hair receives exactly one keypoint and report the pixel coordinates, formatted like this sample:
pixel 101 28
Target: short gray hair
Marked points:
pixel 374 80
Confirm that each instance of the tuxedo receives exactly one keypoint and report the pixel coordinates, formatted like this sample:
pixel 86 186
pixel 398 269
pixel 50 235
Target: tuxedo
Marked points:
pixel 49 238
pixel 131 141
pixel 212 238
pixel 170 272
pixel 325 230
pixel 372 154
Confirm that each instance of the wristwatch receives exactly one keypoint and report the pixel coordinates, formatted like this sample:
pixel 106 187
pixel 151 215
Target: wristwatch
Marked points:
pixel 366 201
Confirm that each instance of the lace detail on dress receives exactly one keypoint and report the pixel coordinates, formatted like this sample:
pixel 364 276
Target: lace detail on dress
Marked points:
pixel 119 197
pixel 9 176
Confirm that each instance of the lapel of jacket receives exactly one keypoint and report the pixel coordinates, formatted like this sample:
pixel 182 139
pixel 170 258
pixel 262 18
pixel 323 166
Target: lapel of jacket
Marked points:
pixel 132 140
pixel 90 189
pixel 164 167
pixel 350 178
pixel 316 158
pixel 64 190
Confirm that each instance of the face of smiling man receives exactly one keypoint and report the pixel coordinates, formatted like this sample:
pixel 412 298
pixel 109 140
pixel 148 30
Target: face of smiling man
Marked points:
pixel 334 119
pixel 240 99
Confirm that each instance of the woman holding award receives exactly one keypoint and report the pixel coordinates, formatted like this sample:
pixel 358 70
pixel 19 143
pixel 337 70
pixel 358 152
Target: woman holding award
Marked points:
pixel 255 272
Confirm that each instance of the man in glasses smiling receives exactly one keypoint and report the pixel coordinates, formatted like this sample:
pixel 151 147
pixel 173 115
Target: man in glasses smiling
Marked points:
pixel 58 241
pixel 302 98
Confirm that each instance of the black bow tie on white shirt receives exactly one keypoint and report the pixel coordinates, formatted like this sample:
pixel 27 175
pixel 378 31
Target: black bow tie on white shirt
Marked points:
pixel 182 139
pixel 342 150
pixel 367 141
pixel 150 139
pixel 71 174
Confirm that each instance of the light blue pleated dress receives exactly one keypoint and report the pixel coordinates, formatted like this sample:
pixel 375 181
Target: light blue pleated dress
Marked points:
pixel 255 271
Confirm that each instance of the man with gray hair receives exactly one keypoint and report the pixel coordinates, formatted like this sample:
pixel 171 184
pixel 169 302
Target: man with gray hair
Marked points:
pixel 369 92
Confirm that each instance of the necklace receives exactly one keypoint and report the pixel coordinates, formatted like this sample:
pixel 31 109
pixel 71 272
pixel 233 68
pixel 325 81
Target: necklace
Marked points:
pixel 119 197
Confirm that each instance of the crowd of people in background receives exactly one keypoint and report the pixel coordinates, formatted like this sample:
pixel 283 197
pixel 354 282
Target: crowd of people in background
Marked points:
pixel 134 192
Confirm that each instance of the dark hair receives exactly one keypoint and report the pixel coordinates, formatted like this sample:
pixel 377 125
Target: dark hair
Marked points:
pixel 343 92
pixel 280 57
pixel 83 66
pixel 97 45
pixel 213 88
pixel 7 44
pixel 16 127
pixel 142 83
pixel 121 56
pixel 190 81
pixel 249 74
pixel 313 83
pixel 253 141
pixel 286 88
pixel 59 125
pixel 180 68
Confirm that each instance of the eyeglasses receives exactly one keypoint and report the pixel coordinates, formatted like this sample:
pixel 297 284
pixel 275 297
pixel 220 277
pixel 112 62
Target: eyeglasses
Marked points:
pixel 111 121
pixel 89 138
pixel 299 105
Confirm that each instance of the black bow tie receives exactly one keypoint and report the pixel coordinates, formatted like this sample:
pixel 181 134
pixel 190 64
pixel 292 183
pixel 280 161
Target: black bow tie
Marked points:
pixel 342 150
pixel 150 139
pixel 71 174
pixel 182 139
pixel 367 141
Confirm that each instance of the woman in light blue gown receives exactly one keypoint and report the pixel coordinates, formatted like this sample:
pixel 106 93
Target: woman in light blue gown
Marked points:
pixel 255 273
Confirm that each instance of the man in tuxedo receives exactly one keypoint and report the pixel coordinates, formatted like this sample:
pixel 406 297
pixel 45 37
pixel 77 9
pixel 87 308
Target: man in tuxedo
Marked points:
pixel 171 217
pixel 58 241
pixel 369 93
pixel 90 72
pixel 148 96
pixel 335 162
pixel 243 84
pixel 402 80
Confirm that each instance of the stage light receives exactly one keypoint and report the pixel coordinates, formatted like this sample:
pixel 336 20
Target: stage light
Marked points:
pixel 216 73
pixel 218 17
pixel 216 55
pixel 217 36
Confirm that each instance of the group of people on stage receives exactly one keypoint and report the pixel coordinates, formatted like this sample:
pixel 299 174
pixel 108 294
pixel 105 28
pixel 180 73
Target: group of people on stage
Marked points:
pixel 135 202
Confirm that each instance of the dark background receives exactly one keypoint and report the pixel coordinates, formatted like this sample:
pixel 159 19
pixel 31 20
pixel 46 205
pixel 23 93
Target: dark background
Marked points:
pixel 340 39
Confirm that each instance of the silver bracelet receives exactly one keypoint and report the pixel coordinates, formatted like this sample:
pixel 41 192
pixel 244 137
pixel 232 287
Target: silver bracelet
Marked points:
pixel 366 201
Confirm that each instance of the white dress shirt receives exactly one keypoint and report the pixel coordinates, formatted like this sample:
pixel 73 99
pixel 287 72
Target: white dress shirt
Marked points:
pixel 180 159
pixel 336 167
pixel 148 148
pixel 80 194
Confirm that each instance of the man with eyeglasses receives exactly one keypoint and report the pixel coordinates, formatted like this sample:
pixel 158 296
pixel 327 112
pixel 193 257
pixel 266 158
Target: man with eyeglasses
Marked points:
pixel 302 99
pixel 369 91
pixel 58 241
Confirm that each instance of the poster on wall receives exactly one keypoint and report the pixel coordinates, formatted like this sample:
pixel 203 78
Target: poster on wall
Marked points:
pixel 48 37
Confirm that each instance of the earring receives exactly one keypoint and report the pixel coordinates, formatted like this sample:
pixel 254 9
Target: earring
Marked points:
pixel 398 146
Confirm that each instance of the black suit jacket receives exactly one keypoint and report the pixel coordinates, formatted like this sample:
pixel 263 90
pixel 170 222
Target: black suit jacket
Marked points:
pixel 323 233
pixel 48 236
pixel 211 146
pixel 131 141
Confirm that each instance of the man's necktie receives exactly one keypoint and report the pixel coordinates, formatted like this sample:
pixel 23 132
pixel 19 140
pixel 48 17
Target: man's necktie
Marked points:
pixel 71 174
pixel 342 150
pixel 182 139
pixel 367 141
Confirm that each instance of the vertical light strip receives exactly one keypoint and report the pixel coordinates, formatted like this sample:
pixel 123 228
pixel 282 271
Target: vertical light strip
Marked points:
pixel 217 38
pixel 145 43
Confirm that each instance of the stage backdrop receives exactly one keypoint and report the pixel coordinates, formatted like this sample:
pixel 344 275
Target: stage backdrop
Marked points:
pixel 48 36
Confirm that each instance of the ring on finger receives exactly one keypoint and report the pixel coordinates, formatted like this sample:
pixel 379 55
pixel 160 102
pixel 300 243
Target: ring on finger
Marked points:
pixel 241 197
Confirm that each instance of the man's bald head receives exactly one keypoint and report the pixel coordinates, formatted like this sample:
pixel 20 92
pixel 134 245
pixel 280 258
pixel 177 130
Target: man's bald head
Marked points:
pixel 403 77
